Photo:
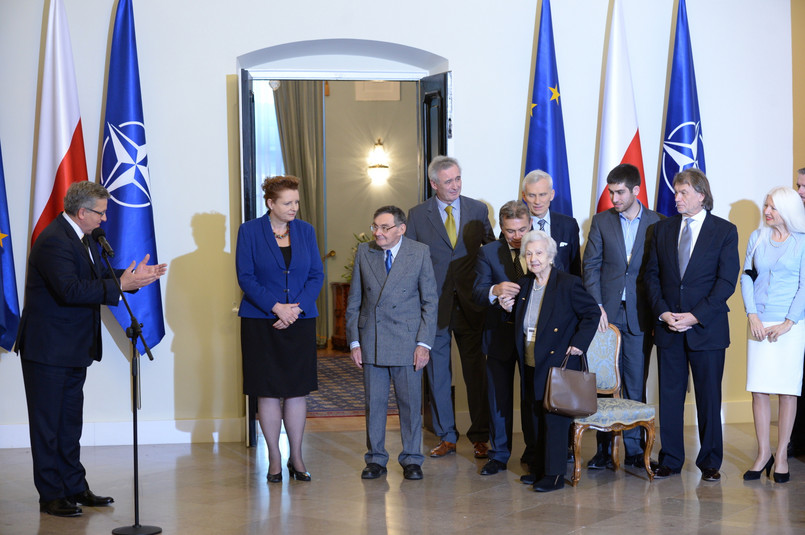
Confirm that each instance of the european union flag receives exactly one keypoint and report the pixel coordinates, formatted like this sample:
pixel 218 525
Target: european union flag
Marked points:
pixel 10 313
pixel 546 131
pixel 683 144
pixel 124 172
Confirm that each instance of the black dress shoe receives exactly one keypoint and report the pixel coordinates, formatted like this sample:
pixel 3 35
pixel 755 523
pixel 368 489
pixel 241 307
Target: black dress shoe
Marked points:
pixel 600 461
pixel 274 478
pixel 751 475
pixel 373 471
pixel 661 471
pixel 550 483
pixel 412 471
pixel 710 474
pixel 60 507
pixel 492 467
pixel 528 479
pixel 90 499
pixel 634 460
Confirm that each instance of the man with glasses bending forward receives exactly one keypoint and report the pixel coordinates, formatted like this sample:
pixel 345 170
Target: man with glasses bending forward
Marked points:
pixel 391 323
pixel 454 227
pixel 60 336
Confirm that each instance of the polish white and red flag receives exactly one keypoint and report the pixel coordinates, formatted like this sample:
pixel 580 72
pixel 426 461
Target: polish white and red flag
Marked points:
pixel 620 136
pixel 60 158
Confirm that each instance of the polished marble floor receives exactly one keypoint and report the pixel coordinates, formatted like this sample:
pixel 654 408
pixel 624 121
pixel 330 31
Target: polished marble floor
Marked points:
pixel 221 489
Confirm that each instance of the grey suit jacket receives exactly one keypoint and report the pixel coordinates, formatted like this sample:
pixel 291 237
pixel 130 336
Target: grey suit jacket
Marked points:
pixel 390 314
pixel 608 269
pixel 454 268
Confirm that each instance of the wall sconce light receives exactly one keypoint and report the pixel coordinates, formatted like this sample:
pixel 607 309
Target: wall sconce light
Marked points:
pixel 379 170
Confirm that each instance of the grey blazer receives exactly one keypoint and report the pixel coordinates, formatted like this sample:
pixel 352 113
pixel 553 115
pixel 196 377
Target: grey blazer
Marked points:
pixel 607 271
pixel 390 314
pixel 454 269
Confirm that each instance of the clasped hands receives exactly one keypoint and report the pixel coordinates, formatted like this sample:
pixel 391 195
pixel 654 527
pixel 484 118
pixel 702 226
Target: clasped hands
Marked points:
pixel 679 321
pixel 143 275
pixel 772 333
pixel 287 314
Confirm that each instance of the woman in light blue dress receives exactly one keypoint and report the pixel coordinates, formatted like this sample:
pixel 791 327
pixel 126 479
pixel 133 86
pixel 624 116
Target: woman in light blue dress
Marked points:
pixel 773 288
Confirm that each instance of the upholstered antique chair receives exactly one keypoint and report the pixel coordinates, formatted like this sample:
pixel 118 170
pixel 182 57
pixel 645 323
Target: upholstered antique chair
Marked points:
pixel 614 414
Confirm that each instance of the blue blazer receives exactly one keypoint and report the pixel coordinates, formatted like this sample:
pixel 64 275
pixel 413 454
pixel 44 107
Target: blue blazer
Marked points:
pixel 565 230
pixel 708 282
pixel 495 266
pixel 262 274
pixel 64 291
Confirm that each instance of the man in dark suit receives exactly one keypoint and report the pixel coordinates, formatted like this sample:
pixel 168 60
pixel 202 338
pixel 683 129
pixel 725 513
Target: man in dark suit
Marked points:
pixel 391 324
pixel 454 227
pixel 60 336
pixel 537 190
pixel 691 271
pixel 613 258
pixel 497 273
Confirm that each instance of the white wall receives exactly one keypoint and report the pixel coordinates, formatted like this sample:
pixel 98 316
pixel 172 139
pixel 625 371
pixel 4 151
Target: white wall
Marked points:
pixel 187 57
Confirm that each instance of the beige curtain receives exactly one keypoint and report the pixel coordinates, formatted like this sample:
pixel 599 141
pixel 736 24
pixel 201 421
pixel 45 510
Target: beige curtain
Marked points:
pixel 300 116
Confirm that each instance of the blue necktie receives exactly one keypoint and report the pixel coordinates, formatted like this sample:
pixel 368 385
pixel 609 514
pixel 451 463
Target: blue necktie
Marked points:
pixel 388 260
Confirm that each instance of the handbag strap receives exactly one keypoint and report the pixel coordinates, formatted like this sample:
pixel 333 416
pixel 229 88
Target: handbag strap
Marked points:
pixel 583 357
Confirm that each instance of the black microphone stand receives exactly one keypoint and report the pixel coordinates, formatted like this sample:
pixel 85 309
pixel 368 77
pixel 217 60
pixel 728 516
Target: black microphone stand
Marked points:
pixel 134 332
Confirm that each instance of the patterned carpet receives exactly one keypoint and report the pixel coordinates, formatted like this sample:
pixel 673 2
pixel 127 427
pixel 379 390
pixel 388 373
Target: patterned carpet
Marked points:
pixel 340 390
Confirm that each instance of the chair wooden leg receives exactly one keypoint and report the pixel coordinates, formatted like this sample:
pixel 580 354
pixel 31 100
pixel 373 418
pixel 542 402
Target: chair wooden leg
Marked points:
pixel 617 438
pixel 578 431
pixel 649 445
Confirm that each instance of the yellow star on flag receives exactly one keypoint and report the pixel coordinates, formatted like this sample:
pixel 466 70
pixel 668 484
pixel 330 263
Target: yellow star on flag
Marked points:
pixel 531 110
pixel 1 238
pixel 555 93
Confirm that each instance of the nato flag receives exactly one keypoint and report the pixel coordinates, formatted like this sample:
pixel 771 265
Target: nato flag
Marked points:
pixel 683 144
pixel 124 172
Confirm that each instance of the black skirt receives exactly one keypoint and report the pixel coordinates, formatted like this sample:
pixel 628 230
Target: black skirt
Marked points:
pixel 278 363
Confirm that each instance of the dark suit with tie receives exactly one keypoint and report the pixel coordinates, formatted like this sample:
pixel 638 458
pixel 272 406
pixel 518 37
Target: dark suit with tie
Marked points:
pixel 59 337
pixel 565 232
pixel 709 281
pixel 454 269
pixel 389 314
pixel 568 317
pixel 495 265
pixel 608 271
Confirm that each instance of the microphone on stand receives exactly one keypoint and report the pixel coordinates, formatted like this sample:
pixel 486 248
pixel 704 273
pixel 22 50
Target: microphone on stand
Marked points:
pixel 99 235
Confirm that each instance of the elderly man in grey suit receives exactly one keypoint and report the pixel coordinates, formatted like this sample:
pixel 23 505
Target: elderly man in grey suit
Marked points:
pixel 613 258
pixel 391 325
pixel 454 227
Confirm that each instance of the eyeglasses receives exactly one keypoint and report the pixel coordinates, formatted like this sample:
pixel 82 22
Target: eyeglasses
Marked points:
pixel 381 228
pixel 96 211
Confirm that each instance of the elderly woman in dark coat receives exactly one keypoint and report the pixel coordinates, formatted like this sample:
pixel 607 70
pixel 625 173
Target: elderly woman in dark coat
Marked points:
pixel 553 316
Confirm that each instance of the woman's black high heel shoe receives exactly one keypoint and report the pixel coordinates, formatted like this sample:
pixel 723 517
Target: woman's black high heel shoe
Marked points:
pixel 274 478
pixel 751 475
pixel 782 478
pixel 297 475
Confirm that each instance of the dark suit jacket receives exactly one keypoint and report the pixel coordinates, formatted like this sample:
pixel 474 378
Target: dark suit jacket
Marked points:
pixel 607 272
pixel 709 281
pixel 390 313
pixel 495 266
pixel 568 317
pixel 262 274
pixel 454 269
pixel 565 230
pixel 61 320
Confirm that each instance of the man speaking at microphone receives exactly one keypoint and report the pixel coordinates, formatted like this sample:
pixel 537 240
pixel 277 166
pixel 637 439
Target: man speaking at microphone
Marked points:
pixel 59 337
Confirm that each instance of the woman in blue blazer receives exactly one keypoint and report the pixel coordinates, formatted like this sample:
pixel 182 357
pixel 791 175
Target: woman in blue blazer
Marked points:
pixel 280 272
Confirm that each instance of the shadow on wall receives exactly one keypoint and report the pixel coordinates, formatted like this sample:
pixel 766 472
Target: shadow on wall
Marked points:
pixel 202 292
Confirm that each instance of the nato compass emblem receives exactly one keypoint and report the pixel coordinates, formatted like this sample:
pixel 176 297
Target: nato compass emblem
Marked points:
pixel 124 154
pixel 681 150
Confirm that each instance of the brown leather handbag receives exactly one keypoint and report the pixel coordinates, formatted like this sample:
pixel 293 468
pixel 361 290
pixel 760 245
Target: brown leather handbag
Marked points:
pixel 571 392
